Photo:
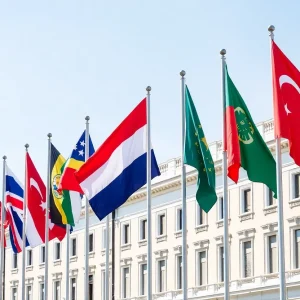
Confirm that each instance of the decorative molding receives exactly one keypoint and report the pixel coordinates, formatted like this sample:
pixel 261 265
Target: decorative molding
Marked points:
pixel 141 258
pixel 73 258
pixel 162 253
pixel 92 269
pixel 41 278
pixel 201 228
pixel 220 223
pixel 102 265
pixel 57 262
pixel 178 249
pixel 142 243
pixel 246 216
pixel 103 252
pixel 126 261
pixel 125 247
pixel 14 271
pixel 57 276
pixel 294 220
pixel 29 268
pixel 73 272
pixel 161 238
pixel 203 244
pixel 29 280
pixel 14 283
pixel 178 234
pixel 294 203
pixel 219 239
pixel 270 226
pixel 270 210
pixel 246 233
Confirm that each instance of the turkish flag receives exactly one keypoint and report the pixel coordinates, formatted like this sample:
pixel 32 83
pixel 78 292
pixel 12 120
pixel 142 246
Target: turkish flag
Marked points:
pixel 286 98
pixel 36 209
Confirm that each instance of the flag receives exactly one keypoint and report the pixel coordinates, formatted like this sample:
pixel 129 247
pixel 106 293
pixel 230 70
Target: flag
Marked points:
pixel 5 225
pixel 197 155
pixel 65 206
pixel 118 168
pixel 75 161
pixel 244 144
pixel 286 98
pixel 14 198
pixel 36 209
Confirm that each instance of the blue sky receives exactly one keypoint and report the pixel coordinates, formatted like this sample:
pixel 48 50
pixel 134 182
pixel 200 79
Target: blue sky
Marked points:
pixel 63 60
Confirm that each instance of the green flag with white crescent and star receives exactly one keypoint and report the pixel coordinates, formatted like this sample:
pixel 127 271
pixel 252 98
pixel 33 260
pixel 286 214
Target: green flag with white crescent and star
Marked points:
pixel 197 155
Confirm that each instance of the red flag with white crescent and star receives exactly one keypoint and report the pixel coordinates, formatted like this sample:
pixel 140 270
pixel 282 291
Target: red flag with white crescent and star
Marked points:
pixel 286 99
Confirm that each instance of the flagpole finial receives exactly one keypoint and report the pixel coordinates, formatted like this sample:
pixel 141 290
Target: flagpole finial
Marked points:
pixel 26 147
pixel 182 73
pixel 223 52
pixel 49 135
pixel 148 88
pixel 87 118
pixel 271 28
pixel 4 157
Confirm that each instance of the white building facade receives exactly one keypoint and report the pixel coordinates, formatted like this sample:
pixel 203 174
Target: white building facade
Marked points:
pixel 253 242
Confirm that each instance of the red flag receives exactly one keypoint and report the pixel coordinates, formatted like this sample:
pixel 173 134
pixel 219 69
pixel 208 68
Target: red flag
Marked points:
pixel 286 97
pixel 36 205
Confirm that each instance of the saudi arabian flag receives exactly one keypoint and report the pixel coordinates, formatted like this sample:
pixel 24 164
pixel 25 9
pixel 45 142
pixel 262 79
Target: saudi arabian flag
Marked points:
pixel 197 155
pixel 65 206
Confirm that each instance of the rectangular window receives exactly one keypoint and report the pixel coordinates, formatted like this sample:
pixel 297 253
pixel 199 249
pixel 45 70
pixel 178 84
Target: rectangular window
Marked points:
pixel 297 249
pixel 161 276
pixel 126 283
pixel 297 185
pixel 57 251
pixel 246 200
pixel 179 219
pixel 73 247
pixel 221 264
pixel 41 291
pixel 42 254
pixel 28 292
pixel 73 288
pixel 179 272
pixel 247 259
pixel 201 220
pixel 14 293
pixel 56 290
pixel 143 289
pixel 29 258
pixel 91 242
pixel 271 200
pixel 162 224
pixel 221 210
pixel 202 275
pixel 273 254
pixel 104 238
pixel 103 284
pixel 91 287
pixel 126 234
pixel 143 229
pixel 14 260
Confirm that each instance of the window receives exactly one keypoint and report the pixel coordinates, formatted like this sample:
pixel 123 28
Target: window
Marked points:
pixel 56 290
pixel 202 267
pixel 125 283
pixel 91 242
pixel 179 272
pixel 104 238
pixel 143 282
pixel 73 288
pixel 247 259
pixel 41 291
pixel 57 251
pixel 73 247
pixel 161 224
pixel 221 264
pixel 42 254
pixel 270 199
pixel 201 216
pixel 297 185
pixel 297 248
pixel 103 290
pixel 126 234
pixel 91 287
pixel 143 229
pixel 179 219
pixel 273 254
pixel 14 261
pixel 28 292
pixel 246 198
pixel 29 259
pixel 161 276
pixel 14 293
pixel 220 208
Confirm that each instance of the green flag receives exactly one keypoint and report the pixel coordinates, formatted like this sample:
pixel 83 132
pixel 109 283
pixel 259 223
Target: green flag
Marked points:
pixel 197 155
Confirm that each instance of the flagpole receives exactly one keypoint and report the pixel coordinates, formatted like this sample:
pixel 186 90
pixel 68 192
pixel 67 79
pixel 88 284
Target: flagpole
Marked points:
pixel 149 219
pixel 225 184
pixel 113 217
pixel 68 262
pixel 86 279
pixel 24 227
pixel 183 189
pixel 47 218
pixel 282 286
pixel 107 260
pixel 2 228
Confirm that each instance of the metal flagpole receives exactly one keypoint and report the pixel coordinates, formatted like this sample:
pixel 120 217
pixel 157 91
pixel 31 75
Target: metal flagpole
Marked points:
pixel 24 228
pixel 86 278
pixel 47 218
pixel 225 185
pixel 149 219
pixel 107 260
pixel 282 286
pixel 68 262
pixel 113 217
pixel 2 228
pixel 183 189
